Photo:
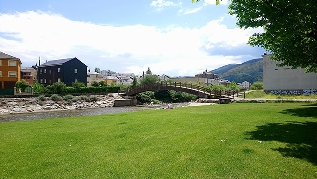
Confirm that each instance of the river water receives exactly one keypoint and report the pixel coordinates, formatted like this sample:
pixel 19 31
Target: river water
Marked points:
pixel 80 112
pixel 66 113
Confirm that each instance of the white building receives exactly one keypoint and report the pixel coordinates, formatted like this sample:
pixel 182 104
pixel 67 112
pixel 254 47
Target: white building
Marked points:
pixel 245 85
pixel 216 82
pixel 285 80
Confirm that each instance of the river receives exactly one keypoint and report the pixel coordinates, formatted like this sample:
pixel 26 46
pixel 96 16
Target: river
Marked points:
pixel 66 113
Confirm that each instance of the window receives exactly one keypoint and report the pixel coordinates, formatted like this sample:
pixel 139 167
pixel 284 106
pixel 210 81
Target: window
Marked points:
pixel 76 80
pixel 58 69
pixel 0 62
pixel 41 80
pixel 12 63
pixel 58 79
pixel 0 73
pixel 41 71
pixel 50 71
pixel 44 70
pixel 12 74
pixel 75 70
pixel 44 80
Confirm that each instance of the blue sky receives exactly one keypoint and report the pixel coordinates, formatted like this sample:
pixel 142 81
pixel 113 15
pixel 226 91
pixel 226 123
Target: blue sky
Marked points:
pixel 173 37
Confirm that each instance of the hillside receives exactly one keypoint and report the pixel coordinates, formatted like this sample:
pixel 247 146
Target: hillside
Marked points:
pixel 250 71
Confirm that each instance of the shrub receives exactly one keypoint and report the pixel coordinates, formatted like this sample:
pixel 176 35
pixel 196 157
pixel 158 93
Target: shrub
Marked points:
pixel 56 97
pixel 22 85
pixel 68 97
pixel 42 98
pixel 57 88
pixel 75 99
pixel 93 98
pixel 257 86
pixel 39 88
pixel 78 85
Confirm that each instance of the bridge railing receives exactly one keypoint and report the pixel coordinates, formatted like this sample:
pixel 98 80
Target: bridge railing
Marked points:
pixel 193 87
pixel 164 84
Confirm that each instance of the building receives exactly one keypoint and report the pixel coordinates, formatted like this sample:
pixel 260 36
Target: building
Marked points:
pixel 217 82
pixel 10 68
pixel 111 80
pixel 207 75
pixel 64 70
pixel 189 80
pixel 285 80
pixel 29 75
pixel 245 85
pixel 164 77
pixel 94 76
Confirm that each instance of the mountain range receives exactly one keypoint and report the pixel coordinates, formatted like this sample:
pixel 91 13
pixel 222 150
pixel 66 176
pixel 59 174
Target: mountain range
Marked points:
pixel 250 71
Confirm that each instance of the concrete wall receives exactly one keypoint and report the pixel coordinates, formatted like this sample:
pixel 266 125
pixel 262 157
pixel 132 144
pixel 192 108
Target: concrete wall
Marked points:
pixel 286 79
pixel 124 102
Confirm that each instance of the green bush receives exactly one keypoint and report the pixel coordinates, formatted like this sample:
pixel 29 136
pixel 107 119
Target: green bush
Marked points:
pixel 22 85
pixel 68 97
pixel 57 88
pixel 39 88
pixel 145 97
pixel 257 86
pixel 56 97
pixel 42 98
pixel 75 99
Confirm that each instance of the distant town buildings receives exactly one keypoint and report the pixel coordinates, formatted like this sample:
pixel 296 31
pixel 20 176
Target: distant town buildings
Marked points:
pixel 207 75
pixel 72 70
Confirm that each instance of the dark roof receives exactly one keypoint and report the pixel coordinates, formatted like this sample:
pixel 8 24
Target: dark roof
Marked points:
pixel 56 62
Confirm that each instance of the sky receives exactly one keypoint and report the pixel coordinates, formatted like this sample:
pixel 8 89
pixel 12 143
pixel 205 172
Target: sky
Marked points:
pixel 172 37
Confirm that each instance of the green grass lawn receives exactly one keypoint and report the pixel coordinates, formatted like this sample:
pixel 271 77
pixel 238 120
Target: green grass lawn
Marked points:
pixel 238 140
pixel 262 94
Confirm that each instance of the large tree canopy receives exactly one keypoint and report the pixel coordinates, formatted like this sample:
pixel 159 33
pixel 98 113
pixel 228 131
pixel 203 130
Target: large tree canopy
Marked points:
pixel 290 29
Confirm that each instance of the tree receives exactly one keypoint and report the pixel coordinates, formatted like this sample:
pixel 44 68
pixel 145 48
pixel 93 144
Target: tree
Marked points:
pixel 233 86
pixel 21 85
pixel 148 72
pixel 97 70
pixel 290 29
pixel 149 79
pixel 95 84
pixel 134 82
pixel 102 84
pixel 77 85
pixel 257 86
pixel 57 88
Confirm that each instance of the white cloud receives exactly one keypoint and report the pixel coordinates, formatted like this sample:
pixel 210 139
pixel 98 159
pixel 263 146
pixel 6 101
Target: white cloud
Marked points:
pixel 222 2
pixel 191 11
pixel 173 50
pixel 160 4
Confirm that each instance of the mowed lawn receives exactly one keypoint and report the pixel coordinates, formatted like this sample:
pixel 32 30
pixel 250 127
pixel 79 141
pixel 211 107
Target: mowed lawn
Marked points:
pixel 238 140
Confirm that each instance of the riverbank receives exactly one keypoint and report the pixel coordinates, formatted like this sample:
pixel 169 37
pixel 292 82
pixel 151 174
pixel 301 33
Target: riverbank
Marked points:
pixel 36 104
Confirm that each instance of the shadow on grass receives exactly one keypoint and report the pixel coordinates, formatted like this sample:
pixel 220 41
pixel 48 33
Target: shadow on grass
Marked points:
pixel 300 137
pixel 307 111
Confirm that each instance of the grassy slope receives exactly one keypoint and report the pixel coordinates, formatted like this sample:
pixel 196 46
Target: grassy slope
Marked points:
pixel 262 94
pixel 180 143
